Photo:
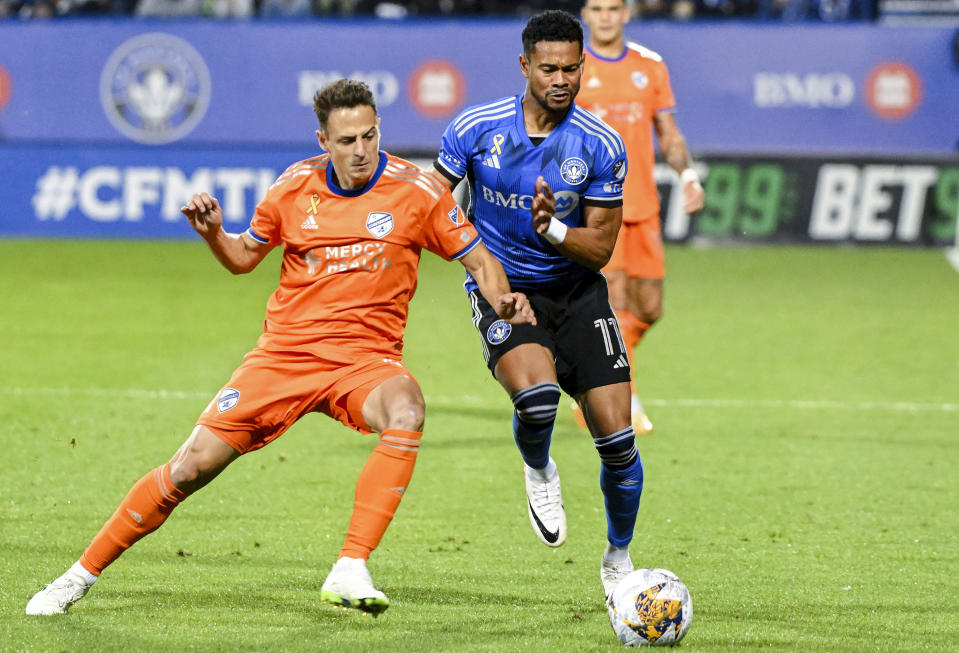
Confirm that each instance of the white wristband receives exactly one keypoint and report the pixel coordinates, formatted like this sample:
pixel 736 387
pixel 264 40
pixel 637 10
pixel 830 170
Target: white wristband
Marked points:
pixel 556 232
pixel 689 176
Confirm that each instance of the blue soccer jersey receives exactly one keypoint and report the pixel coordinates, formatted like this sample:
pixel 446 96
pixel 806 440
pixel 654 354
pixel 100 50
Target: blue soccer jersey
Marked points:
pixel 583 160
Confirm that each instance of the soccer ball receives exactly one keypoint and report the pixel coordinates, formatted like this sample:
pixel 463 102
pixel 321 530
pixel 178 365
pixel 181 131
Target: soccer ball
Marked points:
pixel 650 607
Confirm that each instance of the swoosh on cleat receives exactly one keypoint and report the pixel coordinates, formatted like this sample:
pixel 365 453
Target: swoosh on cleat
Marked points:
pixel 548 535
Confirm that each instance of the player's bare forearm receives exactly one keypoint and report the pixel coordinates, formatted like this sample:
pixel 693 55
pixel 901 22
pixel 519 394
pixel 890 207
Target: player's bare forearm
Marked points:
pixel 233 252
pixel 236 253
pixel 591 245
pixel 671 142
pixel 489 275
pixel 676 154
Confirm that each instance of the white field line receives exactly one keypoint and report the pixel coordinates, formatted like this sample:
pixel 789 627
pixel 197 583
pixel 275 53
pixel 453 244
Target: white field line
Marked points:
pixel 952 255
pixel 476 401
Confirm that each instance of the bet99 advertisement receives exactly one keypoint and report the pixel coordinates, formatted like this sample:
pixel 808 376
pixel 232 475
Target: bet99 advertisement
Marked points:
pixel 805 199
pixel 131 192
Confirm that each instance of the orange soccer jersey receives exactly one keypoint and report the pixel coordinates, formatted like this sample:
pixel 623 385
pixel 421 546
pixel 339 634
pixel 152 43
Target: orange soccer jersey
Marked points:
pixel 350 256
pixel 626 93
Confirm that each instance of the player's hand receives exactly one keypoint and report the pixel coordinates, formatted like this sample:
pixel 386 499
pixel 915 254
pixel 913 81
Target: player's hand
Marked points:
pixel 204 214
pixel 693 196
pixel 514 307
pixel 543 207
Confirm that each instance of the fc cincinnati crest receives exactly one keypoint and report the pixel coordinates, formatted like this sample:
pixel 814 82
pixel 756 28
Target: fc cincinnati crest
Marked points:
pixel 640 80
pixel 574 170
pixel 155 88
pixel 379 224
pixel 456 216
pixel 498 332
pixel 227 399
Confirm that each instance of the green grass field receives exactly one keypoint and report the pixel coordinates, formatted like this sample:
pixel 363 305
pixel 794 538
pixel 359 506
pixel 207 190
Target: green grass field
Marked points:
pixel 802 479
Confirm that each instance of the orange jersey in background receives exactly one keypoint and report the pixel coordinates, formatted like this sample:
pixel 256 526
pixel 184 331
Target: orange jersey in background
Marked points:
pixel 350 257
pixel 626 93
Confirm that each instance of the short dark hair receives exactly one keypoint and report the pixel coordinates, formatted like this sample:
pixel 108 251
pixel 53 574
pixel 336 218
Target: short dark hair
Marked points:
pixel 341 94
pixel 551 25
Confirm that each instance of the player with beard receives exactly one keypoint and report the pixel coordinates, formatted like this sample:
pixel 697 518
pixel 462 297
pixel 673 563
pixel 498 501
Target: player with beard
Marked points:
pixel 545 193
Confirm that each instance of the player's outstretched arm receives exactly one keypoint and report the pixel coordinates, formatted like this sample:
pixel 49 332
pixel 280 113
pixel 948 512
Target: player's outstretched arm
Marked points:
pixel 489 275
pixel 237 252
pixel 673 145
pixel 590 245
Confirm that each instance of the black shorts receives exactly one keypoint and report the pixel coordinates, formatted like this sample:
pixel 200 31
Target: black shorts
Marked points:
pixel 577 324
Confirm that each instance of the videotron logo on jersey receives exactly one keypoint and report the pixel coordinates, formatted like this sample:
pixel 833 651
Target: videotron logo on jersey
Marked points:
pixel 379 224
pixel 155 88
pixel 574 171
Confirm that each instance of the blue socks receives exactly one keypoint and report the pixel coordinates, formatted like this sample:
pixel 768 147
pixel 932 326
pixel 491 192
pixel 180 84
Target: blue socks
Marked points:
pixel 533 422
pixel 621 480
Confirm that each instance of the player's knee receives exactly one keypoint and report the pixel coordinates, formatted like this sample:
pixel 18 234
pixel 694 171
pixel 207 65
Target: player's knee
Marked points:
pixel 189 473
pixel 407 415
pixel 649 314
pixel 537 404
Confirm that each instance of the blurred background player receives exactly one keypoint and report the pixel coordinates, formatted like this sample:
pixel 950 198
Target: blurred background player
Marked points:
pixel 352 223
pixel 627 86
pixel 546 196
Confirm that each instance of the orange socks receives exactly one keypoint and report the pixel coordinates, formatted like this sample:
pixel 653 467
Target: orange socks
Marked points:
pixel 632 329
pixel 145 507
pixel 379 490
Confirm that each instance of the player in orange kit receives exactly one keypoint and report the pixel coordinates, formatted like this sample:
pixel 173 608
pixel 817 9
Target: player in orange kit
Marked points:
pixel 352 223
pixel 627 86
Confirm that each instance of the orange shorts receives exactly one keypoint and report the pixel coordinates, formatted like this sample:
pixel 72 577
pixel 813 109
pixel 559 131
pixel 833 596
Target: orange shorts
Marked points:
pixel 270 390
pixel 639 250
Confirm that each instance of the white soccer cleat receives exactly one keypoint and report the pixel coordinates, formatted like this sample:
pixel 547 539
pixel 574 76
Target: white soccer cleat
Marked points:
pixel 58 596
pixel 641 424
pixel 349 585
pixel 544 502
pixel 613 572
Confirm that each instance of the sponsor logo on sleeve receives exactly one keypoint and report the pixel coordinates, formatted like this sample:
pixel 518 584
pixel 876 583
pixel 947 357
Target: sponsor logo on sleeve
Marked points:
pixel 619 169
pixel 456 216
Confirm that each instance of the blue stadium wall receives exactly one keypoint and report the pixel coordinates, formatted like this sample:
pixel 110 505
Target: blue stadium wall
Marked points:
pixel 809 133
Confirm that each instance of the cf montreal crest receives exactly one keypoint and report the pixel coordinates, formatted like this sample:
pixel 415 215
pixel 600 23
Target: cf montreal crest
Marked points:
pixel 155 88
pixel 498 332
pixel 574 170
